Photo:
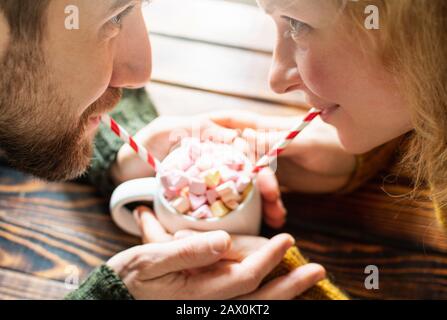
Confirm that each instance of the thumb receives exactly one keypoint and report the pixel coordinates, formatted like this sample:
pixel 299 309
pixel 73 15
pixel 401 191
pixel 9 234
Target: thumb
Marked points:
pixel 196 251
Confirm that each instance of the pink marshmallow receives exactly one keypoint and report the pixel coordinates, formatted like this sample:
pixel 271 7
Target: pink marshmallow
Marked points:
pixel 165 181
pixel 212 196
pixel 197 186
pixel 185 162
pixel 171 193
pixel 235 162
pixel 196 201
pixel 193 172
pixel 178 180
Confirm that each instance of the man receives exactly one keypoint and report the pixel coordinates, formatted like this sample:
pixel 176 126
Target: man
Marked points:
pixel 55 83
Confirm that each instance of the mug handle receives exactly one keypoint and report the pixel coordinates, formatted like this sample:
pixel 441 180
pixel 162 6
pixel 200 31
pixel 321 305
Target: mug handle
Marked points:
pixel 144 189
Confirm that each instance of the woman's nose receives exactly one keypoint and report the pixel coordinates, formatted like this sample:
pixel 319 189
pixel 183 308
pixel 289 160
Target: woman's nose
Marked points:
pixel 284 73
pixel 133 58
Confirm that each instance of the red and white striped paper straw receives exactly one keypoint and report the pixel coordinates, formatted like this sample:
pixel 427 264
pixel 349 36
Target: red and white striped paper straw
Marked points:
pixel 127 138
pixel 282 144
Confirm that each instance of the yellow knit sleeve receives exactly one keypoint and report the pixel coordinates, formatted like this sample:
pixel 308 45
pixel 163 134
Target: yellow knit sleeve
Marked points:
pixel 323 290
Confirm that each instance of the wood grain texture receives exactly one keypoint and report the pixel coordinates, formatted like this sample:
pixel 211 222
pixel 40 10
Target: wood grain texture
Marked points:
pixel 215 22
pixel 167 97
pixel 217 69
pixel 45 228
pixel 21 286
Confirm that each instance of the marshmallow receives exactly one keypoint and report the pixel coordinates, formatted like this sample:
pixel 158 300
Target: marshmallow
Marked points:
pixel 212 196
pixel 204 212
pixel 228 190
pixel 232 204
pixel 196 201
pixel 197 186
pixel 235 163
pixel 219 209
pixel 227 174
pixel 205 162
pixel 194 149
pixel 212 179
pixel 242 183
pixel 178 180
pixel 206 179
pixel 193 172
pixel 165 181
pixel 170 193
pixel 181 204
pixel 185 162
pixel 185 192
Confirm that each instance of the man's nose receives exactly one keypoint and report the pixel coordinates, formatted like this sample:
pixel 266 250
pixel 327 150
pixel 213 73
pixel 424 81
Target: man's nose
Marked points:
pixel 284 73
pixel 133 58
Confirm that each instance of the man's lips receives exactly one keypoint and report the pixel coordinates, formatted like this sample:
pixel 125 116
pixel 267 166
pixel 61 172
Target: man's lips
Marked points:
pixel 93 123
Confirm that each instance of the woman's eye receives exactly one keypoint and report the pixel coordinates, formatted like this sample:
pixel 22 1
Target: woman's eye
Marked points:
pixel 296 28
pixel 118 19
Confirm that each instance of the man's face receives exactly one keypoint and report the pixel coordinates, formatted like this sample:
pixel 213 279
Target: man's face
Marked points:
pixel 51 98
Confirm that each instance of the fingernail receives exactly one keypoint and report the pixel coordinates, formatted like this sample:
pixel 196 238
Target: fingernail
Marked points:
pixel 313 270
pixel 291 240
pixel 143 209
pixel 220 242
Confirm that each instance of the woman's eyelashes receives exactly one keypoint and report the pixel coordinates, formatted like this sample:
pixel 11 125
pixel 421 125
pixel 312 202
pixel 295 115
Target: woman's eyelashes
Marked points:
pixel 117 20
pixel 297 28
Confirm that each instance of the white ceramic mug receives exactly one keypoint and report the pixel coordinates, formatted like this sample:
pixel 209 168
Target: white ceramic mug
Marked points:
pixel 246 219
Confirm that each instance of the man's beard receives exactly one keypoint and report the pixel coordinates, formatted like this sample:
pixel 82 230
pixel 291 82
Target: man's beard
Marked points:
pixel 40 133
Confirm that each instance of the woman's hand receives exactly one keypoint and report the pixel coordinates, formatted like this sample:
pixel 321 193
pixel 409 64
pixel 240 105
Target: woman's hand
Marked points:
pixel 160 137
pixel 210 265
pixel 314 162
pixel 164 133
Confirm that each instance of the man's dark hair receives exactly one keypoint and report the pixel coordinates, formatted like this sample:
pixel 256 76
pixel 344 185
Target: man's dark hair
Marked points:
pixel 25 18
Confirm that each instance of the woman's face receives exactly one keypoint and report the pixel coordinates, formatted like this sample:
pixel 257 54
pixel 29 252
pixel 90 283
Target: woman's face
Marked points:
pixel 316 54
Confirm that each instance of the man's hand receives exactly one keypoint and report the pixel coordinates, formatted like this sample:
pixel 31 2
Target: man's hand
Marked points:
pixel 210 265
pixel 164 133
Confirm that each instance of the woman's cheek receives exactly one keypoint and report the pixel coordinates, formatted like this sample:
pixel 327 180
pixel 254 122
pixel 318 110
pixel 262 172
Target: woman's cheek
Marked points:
pixel 315 76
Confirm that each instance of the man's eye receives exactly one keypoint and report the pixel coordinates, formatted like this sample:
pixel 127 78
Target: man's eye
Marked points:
pixel 296 28
pixel 118 19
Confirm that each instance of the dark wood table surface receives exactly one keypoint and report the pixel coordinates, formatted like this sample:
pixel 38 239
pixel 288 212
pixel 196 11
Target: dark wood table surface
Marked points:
pixel 221 61
pixel 47 229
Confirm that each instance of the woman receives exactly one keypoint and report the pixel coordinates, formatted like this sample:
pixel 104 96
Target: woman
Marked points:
pixel 377 88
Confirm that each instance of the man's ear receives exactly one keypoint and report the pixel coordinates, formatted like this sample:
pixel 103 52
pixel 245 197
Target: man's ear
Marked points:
pixel 4 34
